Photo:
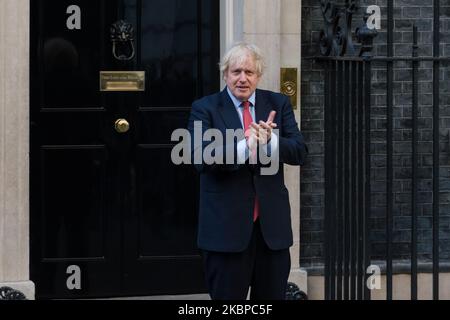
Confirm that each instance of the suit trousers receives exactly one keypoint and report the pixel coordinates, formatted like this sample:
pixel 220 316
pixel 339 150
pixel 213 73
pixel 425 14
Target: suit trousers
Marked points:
pixel 230 274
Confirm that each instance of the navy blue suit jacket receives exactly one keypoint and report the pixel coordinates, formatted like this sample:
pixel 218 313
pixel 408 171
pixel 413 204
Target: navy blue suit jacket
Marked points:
pixel 227 191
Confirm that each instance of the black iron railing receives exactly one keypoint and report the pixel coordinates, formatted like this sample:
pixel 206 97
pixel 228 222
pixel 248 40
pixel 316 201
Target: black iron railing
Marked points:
pixel 347 104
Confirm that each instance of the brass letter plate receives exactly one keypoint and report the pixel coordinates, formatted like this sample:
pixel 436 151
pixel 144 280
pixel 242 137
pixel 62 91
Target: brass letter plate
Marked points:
pixel 122 80
pixel 289 84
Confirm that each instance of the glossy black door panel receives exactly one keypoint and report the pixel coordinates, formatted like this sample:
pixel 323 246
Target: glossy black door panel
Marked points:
pixel 75 127
pixel 167 211
pixel 168 121
pixel 73 199
pixel 70 59
pixel 169 47
pixel 112 204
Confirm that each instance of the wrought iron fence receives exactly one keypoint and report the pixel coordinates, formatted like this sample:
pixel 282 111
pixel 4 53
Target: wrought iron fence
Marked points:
pixel 347 104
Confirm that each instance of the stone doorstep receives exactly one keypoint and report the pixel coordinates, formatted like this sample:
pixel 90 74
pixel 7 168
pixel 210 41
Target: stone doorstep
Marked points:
pixel 297 276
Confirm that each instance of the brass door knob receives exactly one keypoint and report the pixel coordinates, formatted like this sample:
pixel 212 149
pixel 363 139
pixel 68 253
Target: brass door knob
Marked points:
pixel 122 126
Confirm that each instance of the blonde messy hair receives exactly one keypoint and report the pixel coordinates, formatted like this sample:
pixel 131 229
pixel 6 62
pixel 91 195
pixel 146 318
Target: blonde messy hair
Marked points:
pixel 237 55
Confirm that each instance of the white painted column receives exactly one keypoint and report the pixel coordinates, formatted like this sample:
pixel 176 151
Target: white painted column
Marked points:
pixel 14 146
pixel 262 26
pixel 290 52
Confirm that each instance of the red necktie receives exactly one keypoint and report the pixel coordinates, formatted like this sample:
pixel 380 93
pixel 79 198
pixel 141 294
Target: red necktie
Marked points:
pixel 247 121
pixel 247 118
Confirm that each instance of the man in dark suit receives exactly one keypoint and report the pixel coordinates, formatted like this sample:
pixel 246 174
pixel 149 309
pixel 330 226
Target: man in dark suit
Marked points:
pixel 244 216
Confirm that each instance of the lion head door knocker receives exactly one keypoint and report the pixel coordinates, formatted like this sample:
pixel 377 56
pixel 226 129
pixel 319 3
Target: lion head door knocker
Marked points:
pixel 122 37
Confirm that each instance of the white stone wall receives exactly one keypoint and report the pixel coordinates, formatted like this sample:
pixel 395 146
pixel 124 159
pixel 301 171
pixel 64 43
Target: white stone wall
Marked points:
pixel 14 146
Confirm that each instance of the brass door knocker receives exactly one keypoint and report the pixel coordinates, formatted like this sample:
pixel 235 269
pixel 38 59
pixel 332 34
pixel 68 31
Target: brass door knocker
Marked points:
pixel 122 36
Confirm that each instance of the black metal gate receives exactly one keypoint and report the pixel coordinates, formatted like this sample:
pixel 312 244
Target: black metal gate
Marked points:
pixel 348 137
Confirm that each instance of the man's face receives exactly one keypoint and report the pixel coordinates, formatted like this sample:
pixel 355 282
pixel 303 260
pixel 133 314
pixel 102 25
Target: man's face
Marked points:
pixel 242 78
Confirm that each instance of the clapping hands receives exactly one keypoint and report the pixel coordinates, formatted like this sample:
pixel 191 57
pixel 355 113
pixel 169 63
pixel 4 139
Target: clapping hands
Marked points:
pixel 261 133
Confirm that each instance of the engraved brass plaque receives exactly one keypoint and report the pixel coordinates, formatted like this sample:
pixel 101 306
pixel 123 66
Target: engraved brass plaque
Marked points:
pixel 289 84
pixel 122 80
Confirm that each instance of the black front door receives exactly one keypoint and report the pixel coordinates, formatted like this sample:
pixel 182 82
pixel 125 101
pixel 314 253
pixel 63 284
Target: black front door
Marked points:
pixel 110 214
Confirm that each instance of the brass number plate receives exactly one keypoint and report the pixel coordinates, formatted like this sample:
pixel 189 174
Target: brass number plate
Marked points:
pixel 122 80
